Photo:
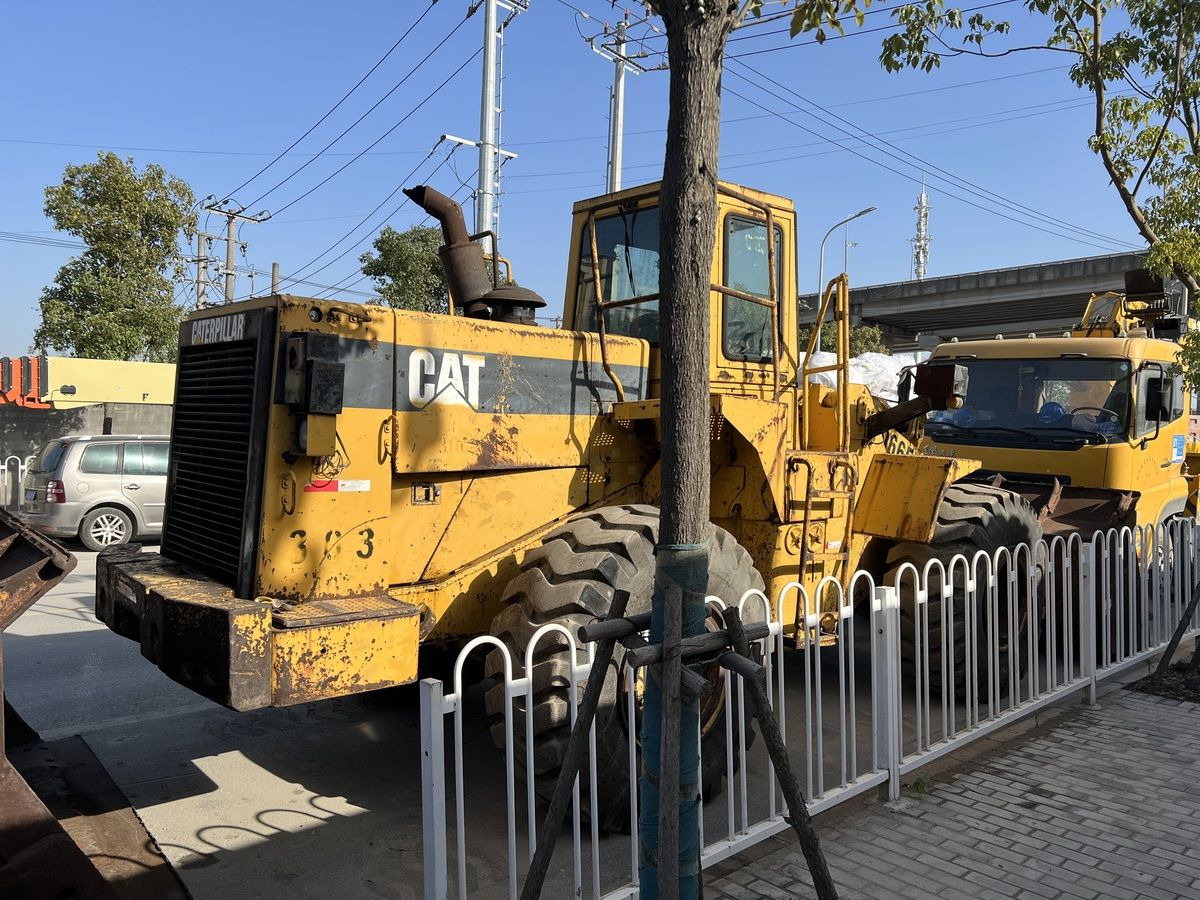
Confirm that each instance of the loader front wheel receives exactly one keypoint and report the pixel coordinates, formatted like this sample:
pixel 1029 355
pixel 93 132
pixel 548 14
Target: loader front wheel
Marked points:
pixel 972 517
pixel 570 580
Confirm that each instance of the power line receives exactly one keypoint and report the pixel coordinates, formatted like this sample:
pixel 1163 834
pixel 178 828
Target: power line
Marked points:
pixel 355 123
pixel 386 219
pixel 958 181
pixel 403 119
pixel 906 175
pixel 363 219
pixel 997 117
pixel 363 276
pixel 335 106
pixel 565 140
pixel 15 237
pixel 847 34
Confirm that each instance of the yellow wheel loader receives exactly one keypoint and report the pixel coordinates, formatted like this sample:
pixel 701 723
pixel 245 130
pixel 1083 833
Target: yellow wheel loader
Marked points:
pixel 1090 427
pixel 350 484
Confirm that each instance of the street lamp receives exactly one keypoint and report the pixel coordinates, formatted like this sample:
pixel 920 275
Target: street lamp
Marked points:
pixel 821 262
pixel 821 269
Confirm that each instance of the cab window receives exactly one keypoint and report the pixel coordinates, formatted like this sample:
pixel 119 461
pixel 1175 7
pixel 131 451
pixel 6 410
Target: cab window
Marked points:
pixel 746 326
pixel 627 244
pixel 101 459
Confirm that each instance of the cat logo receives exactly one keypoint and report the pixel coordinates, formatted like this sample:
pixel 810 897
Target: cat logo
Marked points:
pixel 448 379
pixel 219 328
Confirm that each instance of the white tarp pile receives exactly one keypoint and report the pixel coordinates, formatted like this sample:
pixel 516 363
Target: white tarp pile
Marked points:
pixel 879 372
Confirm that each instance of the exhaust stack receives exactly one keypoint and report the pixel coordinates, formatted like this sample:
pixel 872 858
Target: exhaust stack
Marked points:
pixel 466 271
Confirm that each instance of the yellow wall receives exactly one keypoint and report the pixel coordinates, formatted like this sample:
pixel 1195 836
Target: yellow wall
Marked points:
pixel 107 381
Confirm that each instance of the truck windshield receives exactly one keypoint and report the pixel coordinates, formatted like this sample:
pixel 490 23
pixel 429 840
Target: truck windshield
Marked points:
pixel 1050 403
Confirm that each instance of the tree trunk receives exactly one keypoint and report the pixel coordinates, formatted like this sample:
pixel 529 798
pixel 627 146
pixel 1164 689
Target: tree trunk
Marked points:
pixel 696 37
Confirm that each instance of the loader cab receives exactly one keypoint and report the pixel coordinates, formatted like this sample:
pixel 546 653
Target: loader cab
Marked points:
pixel 613 281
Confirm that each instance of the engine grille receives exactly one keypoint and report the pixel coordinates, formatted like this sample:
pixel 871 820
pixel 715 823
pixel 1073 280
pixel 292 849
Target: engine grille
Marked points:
pixel 211 439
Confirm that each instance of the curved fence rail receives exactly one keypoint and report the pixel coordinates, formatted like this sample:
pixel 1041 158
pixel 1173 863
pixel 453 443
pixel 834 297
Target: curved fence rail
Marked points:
pixel 944 655
pixel 12 475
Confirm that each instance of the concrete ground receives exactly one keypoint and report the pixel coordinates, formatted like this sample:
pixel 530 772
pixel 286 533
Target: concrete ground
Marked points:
pixel 324 799
pixel 316 801
pixel 1097 804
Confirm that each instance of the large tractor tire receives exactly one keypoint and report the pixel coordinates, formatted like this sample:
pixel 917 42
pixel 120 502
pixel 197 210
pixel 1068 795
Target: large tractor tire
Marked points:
pixel 570 579
pixel 972 517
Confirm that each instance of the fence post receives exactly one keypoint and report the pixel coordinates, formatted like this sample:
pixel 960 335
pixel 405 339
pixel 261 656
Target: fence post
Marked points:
pixel 885 661
pixel 433 789
pixel 1087 621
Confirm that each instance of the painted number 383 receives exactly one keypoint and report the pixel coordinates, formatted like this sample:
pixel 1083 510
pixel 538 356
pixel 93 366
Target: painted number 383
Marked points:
pixel 333 543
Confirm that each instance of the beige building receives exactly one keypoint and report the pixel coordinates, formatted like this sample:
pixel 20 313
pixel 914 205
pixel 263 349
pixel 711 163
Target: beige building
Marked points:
pixel 63 382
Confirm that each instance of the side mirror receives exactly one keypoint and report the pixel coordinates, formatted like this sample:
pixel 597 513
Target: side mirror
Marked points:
pixel 904 386
pixel 1154 401
pixel 943 383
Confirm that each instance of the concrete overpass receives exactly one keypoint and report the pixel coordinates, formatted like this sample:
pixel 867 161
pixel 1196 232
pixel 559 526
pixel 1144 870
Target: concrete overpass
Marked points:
pixel 1045 298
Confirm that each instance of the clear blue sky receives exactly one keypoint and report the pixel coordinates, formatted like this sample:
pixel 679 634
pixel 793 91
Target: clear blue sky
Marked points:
pixel 214 92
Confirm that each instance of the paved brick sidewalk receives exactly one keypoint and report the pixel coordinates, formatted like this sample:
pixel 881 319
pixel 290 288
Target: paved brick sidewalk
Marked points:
pixel 1106 803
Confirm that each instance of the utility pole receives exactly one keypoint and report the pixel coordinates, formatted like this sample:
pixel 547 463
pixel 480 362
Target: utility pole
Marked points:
pixel 232 217
pixel 201 268
pixel 617 134
pixel 615 50
pixel 491 110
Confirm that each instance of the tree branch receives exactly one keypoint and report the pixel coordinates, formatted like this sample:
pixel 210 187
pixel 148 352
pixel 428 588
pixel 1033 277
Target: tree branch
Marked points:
pixel 1098 88
pixel 1169 112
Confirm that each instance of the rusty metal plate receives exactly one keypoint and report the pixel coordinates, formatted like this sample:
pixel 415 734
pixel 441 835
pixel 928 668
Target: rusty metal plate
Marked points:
pixel 30 565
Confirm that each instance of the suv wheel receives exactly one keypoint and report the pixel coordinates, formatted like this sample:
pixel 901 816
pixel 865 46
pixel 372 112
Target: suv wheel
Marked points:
pixel 105 527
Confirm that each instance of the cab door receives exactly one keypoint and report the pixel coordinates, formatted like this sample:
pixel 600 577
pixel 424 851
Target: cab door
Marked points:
pixel 1160 439
pixel 144 480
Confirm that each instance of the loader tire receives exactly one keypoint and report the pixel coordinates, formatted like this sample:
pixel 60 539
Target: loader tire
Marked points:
pixel 570 579
pixel 972 517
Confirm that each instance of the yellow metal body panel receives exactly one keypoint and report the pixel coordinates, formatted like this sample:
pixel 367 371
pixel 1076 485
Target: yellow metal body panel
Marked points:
pixel 901 495
pixel 323 661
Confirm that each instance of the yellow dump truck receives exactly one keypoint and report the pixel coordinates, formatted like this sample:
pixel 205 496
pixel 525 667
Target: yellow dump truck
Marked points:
pixel 349 484
pixel 1090 427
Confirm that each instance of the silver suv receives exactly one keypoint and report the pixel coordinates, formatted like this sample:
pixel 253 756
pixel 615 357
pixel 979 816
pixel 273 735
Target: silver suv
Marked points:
pixel 106 489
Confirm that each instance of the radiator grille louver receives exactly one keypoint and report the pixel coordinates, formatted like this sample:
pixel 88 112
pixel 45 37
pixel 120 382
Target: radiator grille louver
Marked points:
pixel 211 439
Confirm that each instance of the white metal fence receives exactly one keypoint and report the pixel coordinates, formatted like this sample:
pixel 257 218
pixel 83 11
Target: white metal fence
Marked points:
pixel 12 474
pixel 942 656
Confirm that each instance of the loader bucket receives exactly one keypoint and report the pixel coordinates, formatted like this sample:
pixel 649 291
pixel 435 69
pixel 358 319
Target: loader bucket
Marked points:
pixel 30 565
pixel 1066 509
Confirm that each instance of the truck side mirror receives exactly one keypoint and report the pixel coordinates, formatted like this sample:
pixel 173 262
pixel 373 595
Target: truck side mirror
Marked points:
pixel 945 384
pixel 904 385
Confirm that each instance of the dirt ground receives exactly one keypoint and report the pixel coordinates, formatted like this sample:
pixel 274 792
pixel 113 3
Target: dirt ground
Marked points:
pixel 1176 683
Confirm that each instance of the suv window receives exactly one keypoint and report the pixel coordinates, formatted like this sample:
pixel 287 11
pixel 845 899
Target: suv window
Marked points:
pixel 101 459
pixel 146 459
pixel 52 455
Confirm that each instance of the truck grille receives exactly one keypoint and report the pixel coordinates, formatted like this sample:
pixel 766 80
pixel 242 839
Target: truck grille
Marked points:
pixel 211 450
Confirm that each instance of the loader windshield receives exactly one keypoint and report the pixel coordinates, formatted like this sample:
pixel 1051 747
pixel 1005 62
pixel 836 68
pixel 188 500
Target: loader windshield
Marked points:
pixel 1047 403
pixel 627 246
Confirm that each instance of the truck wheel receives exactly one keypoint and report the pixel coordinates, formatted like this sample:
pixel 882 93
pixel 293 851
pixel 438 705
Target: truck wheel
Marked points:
pixel 570 580
pixel 105 527
pixel 972 517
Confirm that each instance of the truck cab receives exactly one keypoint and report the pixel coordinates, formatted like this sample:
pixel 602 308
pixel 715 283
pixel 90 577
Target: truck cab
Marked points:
pixel 1091 429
